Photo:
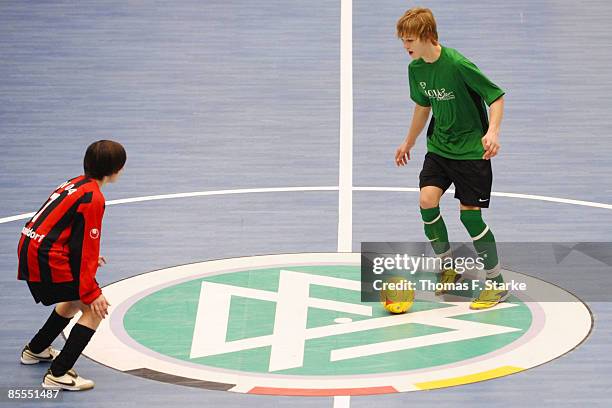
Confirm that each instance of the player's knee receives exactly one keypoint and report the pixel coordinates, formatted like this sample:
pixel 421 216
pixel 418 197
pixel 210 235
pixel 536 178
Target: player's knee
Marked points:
pixel 83 307
pixel 96 320
pixel 428 201
pixel 88 312
pixel 90 318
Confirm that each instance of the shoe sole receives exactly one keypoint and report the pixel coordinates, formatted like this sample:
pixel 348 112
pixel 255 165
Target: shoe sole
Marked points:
pixel 501 299
pixel 33 361
pixel 28 362
pixel 64 387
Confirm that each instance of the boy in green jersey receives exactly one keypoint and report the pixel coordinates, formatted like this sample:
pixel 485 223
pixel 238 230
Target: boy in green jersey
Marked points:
pixel 461 140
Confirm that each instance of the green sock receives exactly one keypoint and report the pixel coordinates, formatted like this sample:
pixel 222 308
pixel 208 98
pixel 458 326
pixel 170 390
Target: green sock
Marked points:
pixel 435 230
pixel 484 243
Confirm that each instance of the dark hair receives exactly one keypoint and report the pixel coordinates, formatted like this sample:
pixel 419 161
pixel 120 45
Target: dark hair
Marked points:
pixel 103 158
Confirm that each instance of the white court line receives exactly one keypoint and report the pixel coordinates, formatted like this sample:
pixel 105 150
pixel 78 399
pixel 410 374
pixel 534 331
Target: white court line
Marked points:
pixel 342 401
pixel 192 194
pixel 222 192
pixel 345 183
pixel 510 195
pixel 323 188
pixel 16 217
pixel 345 171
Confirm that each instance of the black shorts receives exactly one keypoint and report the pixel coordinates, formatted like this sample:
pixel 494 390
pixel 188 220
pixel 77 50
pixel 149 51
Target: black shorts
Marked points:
pixel 51 293
pixel 472 178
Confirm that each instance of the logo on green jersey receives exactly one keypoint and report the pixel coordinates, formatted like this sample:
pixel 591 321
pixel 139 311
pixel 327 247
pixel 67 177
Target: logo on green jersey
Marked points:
pixel 439 94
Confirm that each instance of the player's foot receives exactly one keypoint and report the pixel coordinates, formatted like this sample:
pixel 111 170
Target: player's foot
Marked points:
pixel 489 298
pixel 447 276
pixel 70 381
pixel 29 357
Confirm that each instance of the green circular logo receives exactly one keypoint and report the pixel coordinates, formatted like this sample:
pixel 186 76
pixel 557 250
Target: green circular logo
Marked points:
pixel 244 308
pixel 294 324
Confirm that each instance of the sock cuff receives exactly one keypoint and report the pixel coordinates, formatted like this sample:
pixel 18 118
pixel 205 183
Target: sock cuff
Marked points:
pixel 82 331
pixel 470 214
pixel 429 215
pixel 59 317
pixel 494 272
pixel 472 220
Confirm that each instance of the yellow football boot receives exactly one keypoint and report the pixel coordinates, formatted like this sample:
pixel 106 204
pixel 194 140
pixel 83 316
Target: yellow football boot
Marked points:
pixel 489 298
pixel 447 276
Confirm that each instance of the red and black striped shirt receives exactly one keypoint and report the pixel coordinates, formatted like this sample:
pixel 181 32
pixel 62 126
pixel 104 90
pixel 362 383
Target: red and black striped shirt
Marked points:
pixel 61 243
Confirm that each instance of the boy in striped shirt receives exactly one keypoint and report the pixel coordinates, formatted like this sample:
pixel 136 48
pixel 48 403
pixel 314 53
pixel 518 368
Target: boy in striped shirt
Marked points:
pixel 59 254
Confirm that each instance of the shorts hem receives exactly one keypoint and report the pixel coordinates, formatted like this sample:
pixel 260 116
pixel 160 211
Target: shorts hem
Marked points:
pixel 474 204
pixel 51 293
pixel 440 185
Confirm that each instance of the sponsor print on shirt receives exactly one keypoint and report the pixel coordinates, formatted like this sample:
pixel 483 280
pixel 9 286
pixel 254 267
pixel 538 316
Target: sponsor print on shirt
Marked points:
pixel 439 94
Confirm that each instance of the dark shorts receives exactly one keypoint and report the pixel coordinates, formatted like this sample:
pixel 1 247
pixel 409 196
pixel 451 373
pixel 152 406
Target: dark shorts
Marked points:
pixel 472 178
pixel 51 293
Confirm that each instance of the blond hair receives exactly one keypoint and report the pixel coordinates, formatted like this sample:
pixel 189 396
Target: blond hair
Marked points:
pixel 418 21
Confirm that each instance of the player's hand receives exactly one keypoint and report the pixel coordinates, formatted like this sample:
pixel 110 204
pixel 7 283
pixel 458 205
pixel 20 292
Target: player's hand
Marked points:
pixel 100 306
pixel 402 154
pixel 101 261
pixel 490 142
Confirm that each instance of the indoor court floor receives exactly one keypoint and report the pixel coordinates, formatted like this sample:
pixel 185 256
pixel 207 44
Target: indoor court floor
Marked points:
pixel 255 129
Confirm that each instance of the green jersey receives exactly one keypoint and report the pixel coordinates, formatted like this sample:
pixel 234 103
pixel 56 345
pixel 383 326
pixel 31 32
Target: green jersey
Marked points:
pixel 457 92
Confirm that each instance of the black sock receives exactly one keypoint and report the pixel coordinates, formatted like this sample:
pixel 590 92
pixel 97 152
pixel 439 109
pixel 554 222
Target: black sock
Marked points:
pixel 49 332
pixel 76 343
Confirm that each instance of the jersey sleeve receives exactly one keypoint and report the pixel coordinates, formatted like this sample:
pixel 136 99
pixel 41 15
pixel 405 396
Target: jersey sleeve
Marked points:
pixel 415 92
pixel 477 81
pixel 92 213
